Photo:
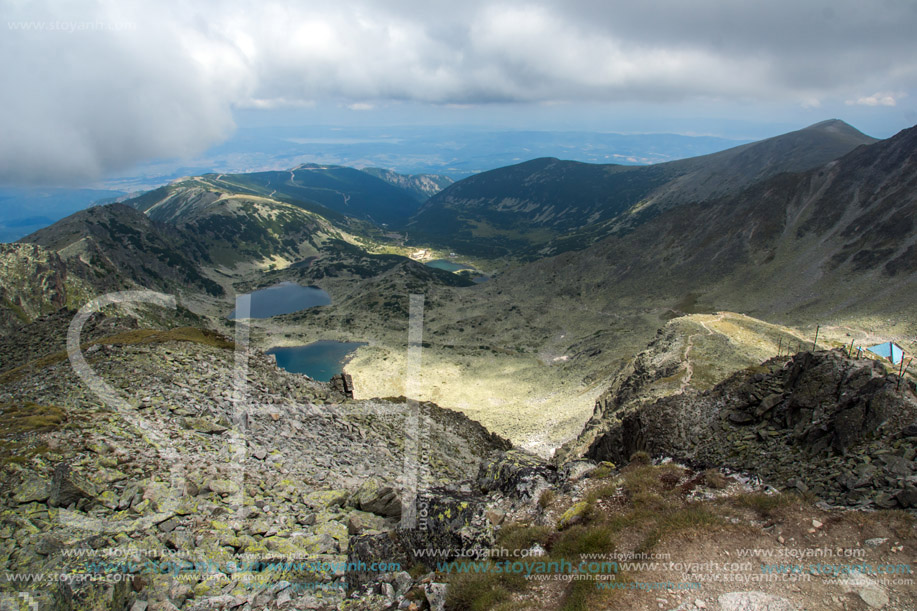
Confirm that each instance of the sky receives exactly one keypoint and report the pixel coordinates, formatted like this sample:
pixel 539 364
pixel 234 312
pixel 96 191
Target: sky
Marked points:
pixel 95 87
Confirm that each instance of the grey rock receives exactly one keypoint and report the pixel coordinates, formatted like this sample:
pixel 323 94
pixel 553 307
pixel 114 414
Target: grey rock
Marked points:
pixel 436 595
pixel 67 488
pixel 517 474
pixel 375 497
pixel 33 489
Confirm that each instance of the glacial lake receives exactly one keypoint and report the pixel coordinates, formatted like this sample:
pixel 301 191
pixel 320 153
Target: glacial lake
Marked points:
pixel 284 298
pixel 449 266
pixel 319 360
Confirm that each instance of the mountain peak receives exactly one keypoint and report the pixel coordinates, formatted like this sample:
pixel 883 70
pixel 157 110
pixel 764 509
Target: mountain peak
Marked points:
pixel 836 126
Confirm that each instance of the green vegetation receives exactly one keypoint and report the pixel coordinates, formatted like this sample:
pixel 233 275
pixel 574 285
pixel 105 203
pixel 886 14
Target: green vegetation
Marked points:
pixel 21 418
pixel 767 505
pixel 19 422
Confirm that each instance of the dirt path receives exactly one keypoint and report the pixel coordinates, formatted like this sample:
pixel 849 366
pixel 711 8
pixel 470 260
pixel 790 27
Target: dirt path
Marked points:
pixel 689 367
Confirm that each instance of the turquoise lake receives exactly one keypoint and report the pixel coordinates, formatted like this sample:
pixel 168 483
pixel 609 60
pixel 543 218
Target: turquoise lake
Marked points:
pixel 284 298
pixel 319 360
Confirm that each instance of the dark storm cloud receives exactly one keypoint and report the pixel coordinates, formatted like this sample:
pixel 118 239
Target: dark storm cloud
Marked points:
pixel 162 79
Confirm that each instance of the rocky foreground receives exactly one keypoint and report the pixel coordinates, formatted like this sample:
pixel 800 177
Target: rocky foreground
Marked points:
pixel 843 428
pixel 209 455
pixel 204 477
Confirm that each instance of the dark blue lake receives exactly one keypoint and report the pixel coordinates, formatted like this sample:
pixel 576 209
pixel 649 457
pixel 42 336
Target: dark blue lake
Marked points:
pixel 284 298
pixel 319 360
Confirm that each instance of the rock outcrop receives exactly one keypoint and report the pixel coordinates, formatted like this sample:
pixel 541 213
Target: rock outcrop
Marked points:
pixel 818 422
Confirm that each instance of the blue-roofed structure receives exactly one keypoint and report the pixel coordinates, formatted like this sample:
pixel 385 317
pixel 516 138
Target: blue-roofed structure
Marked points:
pixel 889 350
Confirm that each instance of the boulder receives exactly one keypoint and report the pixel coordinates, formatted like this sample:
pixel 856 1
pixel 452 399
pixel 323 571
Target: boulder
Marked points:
pixel 343 384
pixel 517 474
pixel 375 497
pixel 68 488
pixel 33 489
pixel 449 521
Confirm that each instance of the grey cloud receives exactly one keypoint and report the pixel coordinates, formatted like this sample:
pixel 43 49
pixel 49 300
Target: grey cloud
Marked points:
pixel 82 104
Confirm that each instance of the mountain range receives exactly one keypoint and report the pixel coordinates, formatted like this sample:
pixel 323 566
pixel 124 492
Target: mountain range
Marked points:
pixel 546 206
pixel 702 310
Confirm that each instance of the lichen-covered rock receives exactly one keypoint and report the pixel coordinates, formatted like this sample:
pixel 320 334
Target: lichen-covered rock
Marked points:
pixel 375 497
pixel 92 595
pixel 574 515
pixel 323 499
pixel 517 474
pixel 448 521
pixel 806 423
pixel 33 489
pixel 203 425
pixel 364 550
pixel 68 488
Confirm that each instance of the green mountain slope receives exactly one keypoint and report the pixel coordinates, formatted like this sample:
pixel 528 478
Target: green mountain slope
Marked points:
pixel 336 189
pixel 237 227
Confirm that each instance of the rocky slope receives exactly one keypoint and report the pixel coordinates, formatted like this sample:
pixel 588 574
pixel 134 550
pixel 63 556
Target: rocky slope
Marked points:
pixel 421 186
pixel 187 466
pixel 123 247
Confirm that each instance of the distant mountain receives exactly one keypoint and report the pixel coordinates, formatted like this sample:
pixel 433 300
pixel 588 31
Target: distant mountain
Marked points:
pixel 327 190
pixel 837 238
pixel 547 206
pixel 422 186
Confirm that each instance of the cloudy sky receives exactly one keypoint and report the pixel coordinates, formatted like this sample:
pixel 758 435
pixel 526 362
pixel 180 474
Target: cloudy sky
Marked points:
pixel 94 87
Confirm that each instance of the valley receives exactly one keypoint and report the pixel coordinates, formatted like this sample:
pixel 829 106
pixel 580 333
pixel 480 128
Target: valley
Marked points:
pixel 640 365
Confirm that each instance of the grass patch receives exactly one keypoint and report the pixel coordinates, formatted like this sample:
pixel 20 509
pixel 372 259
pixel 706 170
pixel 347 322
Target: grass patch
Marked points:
pixel 690 518
pixel 647 479
pixel 482 591
pixel 604 491
pixel 517 536
pixel 18 421
pixel 640 458
pixel 603 470
pixel 766 505
pixel 547 497
pixel 579 539
pixel 21 418
pixel 716 480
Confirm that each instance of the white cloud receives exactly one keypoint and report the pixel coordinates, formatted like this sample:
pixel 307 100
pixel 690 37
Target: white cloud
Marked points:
pixel 878 99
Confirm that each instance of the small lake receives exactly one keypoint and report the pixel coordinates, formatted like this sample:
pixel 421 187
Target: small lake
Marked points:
pixel 319 360
pixel 449 266
pixel 284 298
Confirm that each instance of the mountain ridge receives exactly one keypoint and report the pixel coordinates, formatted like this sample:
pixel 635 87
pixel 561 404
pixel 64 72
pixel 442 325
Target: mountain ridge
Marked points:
pixel 546 206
